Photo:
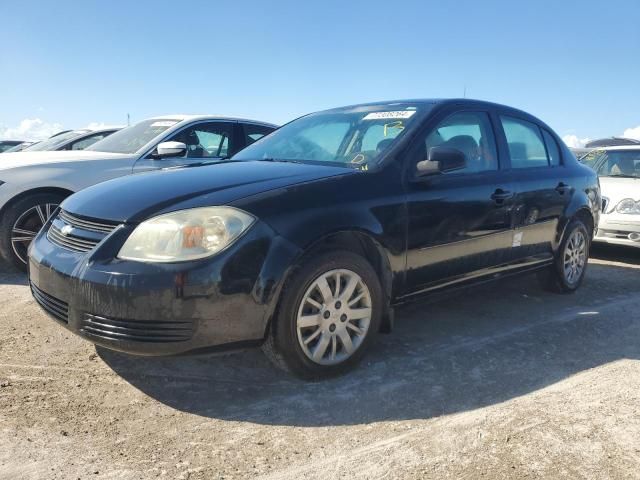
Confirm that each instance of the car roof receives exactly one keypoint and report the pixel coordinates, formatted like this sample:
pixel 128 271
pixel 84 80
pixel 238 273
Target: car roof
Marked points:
pixel 184 118
pixel 442 102
pixel 100 129
pixel 619 148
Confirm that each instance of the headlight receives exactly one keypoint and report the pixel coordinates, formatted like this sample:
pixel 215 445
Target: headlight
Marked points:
pixel 628 205
pixel 185 235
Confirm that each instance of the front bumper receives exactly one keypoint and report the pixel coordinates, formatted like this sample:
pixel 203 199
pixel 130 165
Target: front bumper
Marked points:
pixel 619 229
pixel 162 309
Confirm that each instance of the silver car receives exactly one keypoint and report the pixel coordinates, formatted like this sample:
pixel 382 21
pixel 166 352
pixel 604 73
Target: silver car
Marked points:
pixel 33 183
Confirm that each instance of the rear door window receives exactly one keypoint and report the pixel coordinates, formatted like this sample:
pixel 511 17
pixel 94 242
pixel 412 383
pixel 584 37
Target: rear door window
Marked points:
pixel 526 146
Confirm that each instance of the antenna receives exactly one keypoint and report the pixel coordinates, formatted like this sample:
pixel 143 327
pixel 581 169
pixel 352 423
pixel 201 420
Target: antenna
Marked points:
pixel 128 119
pixel 464 92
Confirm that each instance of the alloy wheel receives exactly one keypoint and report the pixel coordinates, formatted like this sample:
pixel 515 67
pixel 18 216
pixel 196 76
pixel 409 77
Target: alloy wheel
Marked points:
pixel 575 256
pixel 333 317
pixel 27 226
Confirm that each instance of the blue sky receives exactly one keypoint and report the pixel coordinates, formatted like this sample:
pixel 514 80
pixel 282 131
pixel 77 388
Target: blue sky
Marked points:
pixel 69 63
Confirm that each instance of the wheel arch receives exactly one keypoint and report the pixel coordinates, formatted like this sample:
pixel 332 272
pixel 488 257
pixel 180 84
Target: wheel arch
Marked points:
pixel 360 243
pixel 582 213
pixel 356 241
pixel 34 191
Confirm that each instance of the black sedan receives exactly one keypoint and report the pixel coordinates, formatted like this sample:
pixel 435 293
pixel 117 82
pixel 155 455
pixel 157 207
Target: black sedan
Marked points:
pixel 306 240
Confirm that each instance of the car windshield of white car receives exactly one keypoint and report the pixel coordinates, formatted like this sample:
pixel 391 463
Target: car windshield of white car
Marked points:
pixel 54 142
pixel 618 163
pixel 131 139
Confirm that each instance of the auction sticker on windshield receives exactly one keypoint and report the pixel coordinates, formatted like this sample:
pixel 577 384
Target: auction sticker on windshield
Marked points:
pixel 388 115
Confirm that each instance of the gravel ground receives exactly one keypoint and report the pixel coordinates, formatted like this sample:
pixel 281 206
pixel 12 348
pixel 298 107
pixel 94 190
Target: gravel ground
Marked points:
pixel 502 381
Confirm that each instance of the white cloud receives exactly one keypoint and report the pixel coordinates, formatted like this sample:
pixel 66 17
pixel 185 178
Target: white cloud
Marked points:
pixel 632 133
pixel 30 129
pixel 573 141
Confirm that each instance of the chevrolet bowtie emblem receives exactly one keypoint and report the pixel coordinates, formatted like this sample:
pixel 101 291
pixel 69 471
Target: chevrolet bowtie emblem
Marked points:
pixel 66 230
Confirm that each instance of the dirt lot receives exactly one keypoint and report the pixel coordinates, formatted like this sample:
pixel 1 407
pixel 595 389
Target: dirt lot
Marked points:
pixel 505 381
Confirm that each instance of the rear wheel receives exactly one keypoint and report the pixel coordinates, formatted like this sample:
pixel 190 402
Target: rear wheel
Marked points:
pixel 570 264
pixel 20 223
pixel 329 312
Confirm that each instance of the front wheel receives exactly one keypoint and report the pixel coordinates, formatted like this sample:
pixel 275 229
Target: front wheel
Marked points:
pixel 329 312
pixel 570 264
pixel 20 223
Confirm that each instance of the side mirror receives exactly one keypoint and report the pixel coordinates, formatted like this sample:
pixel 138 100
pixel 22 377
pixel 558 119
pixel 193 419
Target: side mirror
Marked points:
pixel 170 149
pixel 441 160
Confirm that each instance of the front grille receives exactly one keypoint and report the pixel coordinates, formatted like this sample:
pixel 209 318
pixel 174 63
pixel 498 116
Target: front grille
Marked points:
pixel 53 305
pixel 149 331
pixel 90 225
pixel 70 242
pixel 82 235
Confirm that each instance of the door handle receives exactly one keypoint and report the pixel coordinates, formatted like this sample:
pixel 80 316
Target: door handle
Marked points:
pixel 501 195
pixel 562 187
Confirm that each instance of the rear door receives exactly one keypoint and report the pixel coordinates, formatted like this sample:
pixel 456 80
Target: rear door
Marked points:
pixel 459 223
pixel 542 184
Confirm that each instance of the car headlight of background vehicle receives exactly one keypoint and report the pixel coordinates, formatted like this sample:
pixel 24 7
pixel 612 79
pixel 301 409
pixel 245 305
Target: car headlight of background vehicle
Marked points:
pixel 185 234
pixel 629 206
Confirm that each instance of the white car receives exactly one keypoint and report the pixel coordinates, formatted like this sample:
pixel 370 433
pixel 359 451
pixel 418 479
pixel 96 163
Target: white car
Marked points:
pixel 32 184
pixel 619 172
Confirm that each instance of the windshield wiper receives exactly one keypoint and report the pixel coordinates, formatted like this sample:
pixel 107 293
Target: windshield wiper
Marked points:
pixel 282 160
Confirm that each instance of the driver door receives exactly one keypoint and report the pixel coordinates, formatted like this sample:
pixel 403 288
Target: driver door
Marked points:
pixel 459 223
pixel 205 141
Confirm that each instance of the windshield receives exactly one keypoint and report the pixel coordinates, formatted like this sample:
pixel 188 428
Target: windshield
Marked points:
pixel 54 142
pixel 131 139
pixel 18 148
pixel 355 136
pixel 614 163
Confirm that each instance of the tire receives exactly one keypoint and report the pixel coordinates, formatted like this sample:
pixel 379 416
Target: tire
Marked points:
pixel 301 328
pixel 27 214
pixel 557 278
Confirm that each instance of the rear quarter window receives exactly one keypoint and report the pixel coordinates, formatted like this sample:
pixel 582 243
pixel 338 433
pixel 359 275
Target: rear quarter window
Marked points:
pixel 552 148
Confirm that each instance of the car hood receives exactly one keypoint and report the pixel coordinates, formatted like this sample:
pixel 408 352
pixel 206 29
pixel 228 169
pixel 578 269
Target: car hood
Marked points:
pixel 137 197
pixel 618 188
pixel 25 159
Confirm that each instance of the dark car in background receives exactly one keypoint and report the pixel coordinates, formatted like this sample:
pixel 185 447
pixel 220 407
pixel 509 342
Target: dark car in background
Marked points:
pixel 306 240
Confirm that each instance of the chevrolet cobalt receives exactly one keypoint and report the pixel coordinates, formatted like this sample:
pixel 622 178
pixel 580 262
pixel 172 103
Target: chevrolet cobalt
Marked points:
pixel 306 240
